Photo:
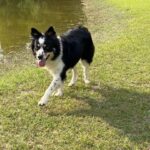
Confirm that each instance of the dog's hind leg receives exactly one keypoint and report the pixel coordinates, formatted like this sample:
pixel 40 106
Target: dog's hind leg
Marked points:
pixel 74 77
pixel 85 66
pixel 55 84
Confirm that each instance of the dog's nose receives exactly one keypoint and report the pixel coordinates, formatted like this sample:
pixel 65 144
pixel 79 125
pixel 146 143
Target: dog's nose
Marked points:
pixel 40 57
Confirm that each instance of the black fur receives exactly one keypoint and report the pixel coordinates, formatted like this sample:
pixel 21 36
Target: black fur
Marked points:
pixel 77 44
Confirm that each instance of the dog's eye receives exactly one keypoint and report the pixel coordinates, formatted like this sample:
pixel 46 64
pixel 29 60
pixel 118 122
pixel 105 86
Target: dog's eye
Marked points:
pixel 46 47
pixel 54 49
pixel 37 46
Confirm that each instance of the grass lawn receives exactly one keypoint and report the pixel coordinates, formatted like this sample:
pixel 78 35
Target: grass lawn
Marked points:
pixel 111 113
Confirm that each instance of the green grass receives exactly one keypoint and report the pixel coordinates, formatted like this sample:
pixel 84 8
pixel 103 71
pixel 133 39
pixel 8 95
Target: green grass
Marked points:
pixel 136 6
pixel 111 113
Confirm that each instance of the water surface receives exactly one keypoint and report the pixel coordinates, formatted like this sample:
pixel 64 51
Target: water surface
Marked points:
pixel 18 16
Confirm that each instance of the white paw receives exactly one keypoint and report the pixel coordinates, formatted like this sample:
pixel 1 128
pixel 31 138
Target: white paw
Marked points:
pixel 42 102
pixel 86 81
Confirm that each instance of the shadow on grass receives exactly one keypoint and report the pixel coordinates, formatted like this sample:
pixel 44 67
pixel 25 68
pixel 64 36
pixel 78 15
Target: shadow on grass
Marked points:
pixel 123 109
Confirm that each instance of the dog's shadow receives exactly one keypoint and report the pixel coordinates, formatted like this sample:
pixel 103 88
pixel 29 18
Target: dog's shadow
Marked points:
pixel 124 109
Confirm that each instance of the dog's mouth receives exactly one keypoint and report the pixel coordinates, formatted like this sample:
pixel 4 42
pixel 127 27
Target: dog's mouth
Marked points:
pixel 42 62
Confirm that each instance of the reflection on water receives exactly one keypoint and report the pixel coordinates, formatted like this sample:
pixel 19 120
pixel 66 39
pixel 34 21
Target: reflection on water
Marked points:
pixel 18 16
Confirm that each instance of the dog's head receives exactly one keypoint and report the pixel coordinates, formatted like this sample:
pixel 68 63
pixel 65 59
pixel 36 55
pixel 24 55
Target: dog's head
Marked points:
pixel 44 45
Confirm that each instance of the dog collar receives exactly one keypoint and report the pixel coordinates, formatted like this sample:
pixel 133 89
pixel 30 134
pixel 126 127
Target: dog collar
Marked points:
pixel 60 43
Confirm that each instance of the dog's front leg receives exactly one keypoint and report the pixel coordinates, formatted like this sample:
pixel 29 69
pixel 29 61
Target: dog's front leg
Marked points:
pixel 55 84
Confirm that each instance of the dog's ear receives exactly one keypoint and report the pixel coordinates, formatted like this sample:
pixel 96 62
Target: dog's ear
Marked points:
pixel 35 33
pixel 50 32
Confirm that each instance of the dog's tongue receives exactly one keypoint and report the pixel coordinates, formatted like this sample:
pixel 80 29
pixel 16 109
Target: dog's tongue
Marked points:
pixel 40 63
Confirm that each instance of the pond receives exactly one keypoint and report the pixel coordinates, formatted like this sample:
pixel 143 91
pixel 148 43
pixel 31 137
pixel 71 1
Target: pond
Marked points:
pixel 18 16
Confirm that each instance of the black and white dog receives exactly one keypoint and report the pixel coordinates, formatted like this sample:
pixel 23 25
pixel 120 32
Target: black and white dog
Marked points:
pixel 58 54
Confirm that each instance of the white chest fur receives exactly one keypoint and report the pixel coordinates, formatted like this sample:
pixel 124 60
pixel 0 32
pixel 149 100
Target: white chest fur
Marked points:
pixel 55 67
